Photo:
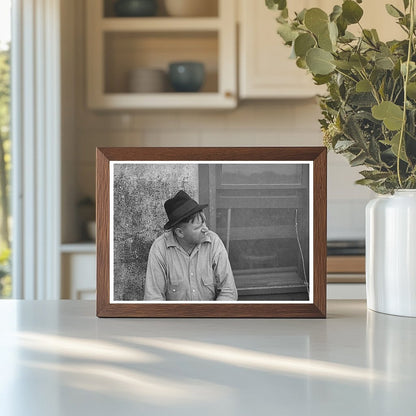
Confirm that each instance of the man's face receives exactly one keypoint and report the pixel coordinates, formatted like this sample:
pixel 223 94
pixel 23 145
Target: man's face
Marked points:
pixel 194 232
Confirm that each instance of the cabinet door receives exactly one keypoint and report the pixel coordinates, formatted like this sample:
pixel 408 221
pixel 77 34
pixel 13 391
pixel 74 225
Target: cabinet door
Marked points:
pixel 78 276
pixel 265 68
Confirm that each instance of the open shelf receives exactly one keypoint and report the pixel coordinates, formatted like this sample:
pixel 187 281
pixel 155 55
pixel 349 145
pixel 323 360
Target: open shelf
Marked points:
pixel 126 51
pixel 160 24
pixel 118 45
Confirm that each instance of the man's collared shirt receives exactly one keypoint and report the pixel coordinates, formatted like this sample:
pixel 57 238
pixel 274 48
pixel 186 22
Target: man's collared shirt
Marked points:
pixel 204 275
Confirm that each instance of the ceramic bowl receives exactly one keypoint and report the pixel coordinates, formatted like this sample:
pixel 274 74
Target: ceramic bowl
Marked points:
pixel 186 76
pixel 135 8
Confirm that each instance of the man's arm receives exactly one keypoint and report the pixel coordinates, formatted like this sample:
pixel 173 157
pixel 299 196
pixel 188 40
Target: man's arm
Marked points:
pixel 223 273
pixel 155 284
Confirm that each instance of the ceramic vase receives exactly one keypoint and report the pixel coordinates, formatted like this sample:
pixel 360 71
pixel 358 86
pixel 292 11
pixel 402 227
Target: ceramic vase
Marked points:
pixel 391 253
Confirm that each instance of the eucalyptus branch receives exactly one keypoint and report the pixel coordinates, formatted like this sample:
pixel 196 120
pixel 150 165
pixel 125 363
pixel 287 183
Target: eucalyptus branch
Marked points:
pixel 392 90
pixel 346 75
pixel 406 78
pixel 373 88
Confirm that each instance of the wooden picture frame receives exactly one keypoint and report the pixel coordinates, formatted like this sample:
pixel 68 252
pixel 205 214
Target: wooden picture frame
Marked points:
pixel 308 245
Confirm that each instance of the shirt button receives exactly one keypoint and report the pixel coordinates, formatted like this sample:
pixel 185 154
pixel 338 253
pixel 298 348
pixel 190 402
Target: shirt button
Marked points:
pixel 193 290
pixel 192 274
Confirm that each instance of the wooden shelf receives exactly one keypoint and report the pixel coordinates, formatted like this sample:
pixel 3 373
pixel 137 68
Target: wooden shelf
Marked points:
pixel 160 24
pixel 162 100
pixel 117 45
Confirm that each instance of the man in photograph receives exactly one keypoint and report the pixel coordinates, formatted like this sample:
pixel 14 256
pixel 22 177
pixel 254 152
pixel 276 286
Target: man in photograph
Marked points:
pixel 188 262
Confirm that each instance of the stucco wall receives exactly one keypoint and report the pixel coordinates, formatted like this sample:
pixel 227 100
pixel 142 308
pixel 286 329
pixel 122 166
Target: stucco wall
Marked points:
pixel 140 191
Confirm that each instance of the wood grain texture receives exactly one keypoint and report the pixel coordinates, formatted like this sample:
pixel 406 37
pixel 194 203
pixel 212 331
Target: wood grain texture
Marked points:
pixel 346 264
pixel 319 230
pixel 317 309
pixel 103 231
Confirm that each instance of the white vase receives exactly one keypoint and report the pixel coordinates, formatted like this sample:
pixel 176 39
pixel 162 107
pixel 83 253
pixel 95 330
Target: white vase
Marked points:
pixel 391 253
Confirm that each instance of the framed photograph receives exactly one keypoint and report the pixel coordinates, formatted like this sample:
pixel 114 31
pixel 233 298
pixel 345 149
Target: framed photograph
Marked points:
pixel 211 232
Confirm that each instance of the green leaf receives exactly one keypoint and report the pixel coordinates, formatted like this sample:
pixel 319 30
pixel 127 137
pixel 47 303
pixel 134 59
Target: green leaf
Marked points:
pixel 342 25
pixel 374 150
pixel 358 160
pixel 362 99
pixel 276 4
pixel 301 63
pixel 347 37
pixel 412 67
pixel 382 88
pixel 391 114
pixel 321 79
pixel 374 174
pixel 303 43
pixel 287 33
pixel 411 90
pixel 325 42
pixel 394 144
pixel 351 11
pixel 365 182
pixel 333 32
pixel 368 36
pixel 345 65
pixel 363 86
pixel 343 145
pixel 358 61
pixel 316 20
pixel 406 4
pixel 281 19
pixel 319 61
pixel 301 15
pixel 393 11
pixel 336 12
pixel 384 62
pixel 375 35
pixel 353 131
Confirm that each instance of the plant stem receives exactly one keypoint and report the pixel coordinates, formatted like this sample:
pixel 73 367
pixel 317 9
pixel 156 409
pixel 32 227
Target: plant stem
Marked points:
pixel 406 78
pixel 346 75
pixel 373 88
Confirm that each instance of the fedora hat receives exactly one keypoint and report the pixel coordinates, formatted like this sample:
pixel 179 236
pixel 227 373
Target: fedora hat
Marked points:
pixel 180 207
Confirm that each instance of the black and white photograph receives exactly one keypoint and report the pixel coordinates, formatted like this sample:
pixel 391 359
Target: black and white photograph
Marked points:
pixel 186 231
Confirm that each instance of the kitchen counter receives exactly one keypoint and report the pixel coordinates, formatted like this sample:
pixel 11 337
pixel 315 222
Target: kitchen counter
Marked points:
pixel 57 358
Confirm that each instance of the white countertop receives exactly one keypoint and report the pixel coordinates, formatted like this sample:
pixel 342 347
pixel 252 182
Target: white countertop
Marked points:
pixel 57 358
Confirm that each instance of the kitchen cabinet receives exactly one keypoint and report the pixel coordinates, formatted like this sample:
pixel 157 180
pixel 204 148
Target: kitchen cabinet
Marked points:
pixel 78 262
pixel 265 70
pixel 118 45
